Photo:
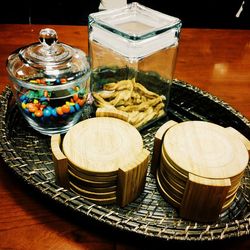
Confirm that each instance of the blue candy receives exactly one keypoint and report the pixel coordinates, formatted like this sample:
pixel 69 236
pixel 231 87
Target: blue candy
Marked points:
pixel 77 106
pixel 47 112
pixel 54 113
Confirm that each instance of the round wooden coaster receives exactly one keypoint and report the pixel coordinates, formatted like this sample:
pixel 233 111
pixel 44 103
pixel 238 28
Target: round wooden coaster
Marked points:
pixel 92 175
pixel 231 194
pixel 169 188
pixel 92 178
pixel 236 179
pixel 173 181
pixel 91 186
pixel 228 203
pixel 102 145
pixel 182 173
pixel 234 187
pixel 172 170
pixel 205 149
pixel 100 201
pixel 93 195
pixel 164 194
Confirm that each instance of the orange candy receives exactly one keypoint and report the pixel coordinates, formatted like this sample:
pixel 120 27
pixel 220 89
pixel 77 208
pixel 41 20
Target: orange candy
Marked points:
pixel 31 107
pixel 28 105
pixel 63 80
pixel 59 111
pixel 75 97
pixel 65 108
pixel 42 81
pixel 38 113
pixel 38 80
pixel 81 102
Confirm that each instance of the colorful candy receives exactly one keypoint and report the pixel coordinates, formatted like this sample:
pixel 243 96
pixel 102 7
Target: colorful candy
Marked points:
pixel 48 106
pixel 65 108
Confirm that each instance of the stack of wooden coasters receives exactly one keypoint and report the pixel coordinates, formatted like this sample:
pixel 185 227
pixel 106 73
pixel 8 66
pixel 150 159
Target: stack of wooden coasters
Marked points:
pixel 199 168
pixel 102 159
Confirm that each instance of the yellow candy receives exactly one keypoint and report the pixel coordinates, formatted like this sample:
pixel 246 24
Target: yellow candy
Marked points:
pixel 70 103
pixel 23 105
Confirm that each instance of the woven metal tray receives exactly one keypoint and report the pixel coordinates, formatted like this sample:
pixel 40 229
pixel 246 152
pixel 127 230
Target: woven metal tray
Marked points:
pixel 28 155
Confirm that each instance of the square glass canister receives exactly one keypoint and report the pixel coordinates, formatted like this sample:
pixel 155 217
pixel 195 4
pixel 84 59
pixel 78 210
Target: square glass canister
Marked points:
pixel 133 53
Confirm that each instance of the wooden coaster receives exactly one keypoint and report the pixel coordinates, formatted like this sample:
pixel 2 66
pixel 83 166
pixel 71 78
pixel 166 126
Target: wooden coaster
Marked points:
pixel 228 203
pixel 158 138
pixel 171 190
pixel 170 180
pixel 165 194
pixel 60 161
pixel 103 160
pixel 201 166
pixel 205 149
pixel 102 145
pixel 97 200
pixel 94 178
pixel 203 198
pixel 236 133
pixel 172 170
pixel 93 195
pixel 92 186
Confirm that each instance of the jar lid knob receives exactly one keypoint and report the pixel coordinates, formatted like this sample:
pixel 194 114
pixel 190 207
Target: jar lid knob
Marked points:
pixel 48 37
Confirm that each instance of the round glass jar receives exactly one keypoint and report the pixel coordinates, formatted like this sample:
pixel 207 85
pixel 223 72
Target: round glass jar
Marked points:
pixel 50 82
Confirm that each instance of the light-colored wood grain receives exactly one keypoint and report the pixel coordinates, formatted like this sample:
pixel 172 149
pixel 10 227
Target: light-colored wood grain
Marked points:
pixel 92 194
pixel 92 177
pixel 205 149
pixel 172 181
pixel 112 112
pixel 92 186
pixel 60 161
pixel 173 176
pixel 203 199
pixel 201 163
pixel 98 200
pixel 102 145
pixel 95 181
pixel 228 203
pixel 169 188
pixel 166 195
pixel 236 133
pixel 131 178
pixel 105 157
pixel 158 138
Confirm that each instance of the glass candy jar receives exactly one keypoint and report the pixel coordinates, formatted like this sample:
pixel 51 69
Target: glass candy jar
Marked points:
pixel 133 53
pixel 51 83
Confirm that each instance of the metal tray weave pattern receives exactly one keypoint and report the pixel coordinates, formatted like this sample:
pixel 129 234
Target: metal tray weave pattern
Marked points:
pixel 28 155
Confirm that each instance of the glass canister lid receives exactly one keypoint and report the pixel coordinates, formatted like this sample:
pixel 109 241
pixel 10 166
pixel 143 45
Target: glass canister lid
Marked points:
pixel 47 59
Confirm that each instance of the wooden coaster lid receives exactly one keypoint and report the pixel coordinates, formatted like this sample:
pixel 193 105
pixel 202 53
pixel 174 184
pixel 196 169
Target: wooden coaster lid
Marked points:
pixel 102 145
pixel 205 149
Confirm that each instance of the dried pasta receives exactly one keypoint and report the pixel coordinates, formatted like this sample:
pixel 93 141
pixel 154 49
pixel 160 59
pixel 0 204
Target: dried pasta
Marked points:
pixel 139 104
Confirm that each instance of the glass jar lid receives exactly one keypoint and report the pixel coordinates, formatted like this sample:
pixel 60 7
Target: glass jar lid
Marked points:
pixel 49 60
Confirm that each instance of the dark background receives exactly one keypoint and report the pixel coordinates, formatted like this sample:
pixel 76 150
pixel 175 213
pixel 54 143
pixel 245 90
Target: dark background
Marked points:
pixel 193 13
